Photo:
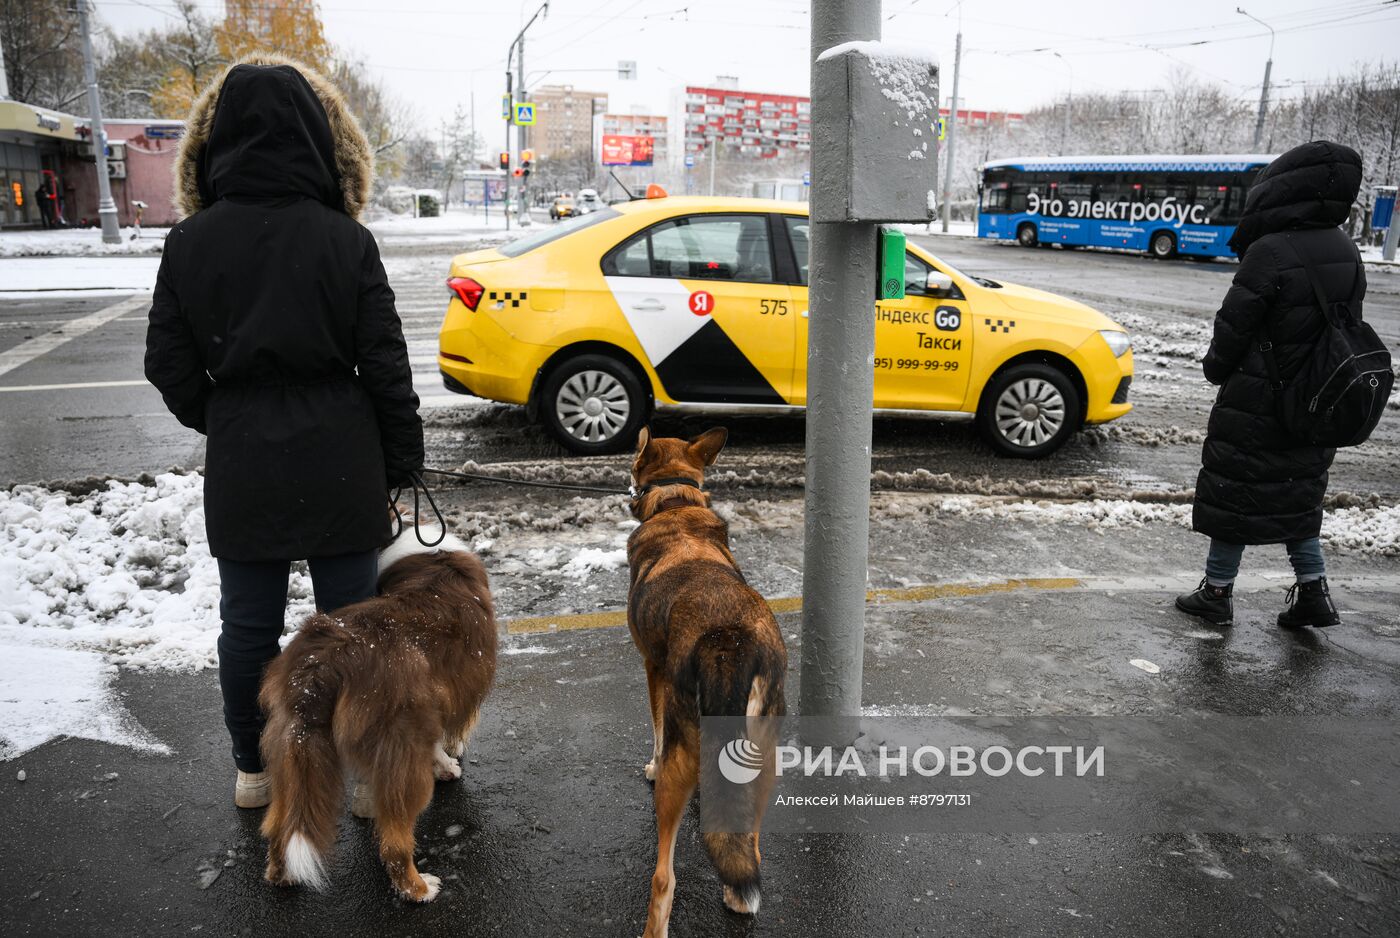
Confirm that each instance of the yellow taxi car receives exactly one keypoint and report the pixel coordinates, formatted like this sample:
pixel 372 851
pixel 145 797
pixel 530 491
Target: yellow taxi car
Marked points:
pixel 701 303
pixel 562 207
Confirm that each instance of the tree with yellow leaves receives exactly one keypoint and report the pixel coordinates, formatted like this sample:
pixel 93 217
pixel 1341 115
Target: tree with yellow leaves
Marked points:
pixel 287 27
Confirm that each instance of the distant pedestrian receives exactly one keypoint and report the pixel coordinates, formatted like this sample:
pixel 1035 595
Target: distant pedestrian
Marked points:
pixel 1259 482
pixel 273 331
pixel 44 196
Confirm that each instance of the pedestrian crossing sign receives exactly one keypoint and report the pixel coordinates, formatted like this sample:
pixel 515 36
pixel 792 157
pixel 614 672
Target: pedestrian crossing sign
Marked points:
pixel 524 114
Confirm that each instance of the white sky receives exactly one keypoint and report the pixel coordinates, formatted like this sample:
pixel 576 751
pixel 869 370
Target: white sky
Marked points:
pixel 437 53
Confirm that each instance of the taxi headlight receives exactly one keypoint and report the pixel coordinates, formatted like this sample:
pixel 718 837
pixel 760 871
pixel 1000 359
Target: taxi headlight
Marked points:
pixel 1118 341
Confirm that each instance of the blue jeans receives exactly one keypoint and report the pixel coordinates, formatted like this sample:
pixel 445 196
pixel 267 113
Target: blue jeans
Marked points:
pixel 1223 560
pixel 253 606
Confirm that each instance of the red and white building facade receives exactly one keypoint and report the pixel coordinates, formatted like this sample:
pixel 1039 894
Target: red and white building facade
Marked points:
pixel 751 124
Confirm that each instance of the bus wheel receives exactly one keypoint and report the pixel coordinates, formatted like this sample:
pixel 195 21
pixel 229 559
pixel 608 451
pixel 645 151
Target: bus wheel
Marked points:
pixel 1163 244
pixel 1029 411
pixel 1027 236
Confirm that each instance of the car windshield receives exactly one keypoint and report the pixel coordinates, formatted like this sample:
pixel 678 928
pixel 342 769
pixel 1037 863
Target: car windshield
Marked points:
pixel 554 232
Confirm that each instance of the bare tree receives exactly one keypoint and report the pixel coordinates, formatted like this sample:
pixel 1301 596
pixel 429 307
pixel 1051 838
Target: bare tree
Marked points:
pixel 43 52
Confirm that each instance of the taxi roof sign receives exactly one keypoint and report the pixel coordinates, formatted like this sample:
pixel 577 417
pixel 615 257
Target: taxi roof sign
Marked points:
pixel 524 114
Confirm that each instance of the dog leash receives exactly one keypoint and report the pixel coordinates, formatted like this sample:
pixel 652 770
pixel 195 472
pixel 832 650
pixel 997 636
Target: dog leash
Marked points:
pixel 481 477
pixel 416 483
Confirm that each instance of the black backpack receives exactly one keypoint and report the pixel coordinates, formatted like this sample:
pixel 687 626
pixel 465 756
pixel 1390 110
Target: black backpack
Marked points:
pixel 1340 392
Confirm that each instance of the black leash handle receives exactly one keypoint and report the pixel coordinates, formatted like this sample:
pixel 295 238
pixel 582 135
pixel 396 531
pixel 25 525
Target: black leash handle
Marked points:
pixel 416 483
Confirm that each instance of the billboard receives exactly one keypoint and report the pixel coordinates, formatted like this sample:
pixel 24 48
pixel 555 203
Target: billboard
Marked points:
pixel 622 150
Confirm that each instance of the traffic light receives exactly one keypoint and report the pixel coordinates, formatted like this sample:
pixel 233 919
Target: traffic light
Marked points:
pixel 526 158
pixel 505 160
pixel 518 172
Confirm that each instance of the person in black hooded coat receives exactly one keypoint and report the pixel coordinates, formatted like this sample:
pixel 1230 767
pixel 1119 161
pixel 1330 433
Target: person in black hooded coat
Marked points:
pixel 1258 484
pixel 273 331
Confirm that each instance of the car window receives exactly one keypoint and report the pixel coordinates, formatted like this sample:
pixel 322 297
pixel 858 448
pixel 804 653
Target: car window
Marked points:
pixel 554 232
pixel 799 233
pixel 633 259
pixel 713 247
pixel 915 276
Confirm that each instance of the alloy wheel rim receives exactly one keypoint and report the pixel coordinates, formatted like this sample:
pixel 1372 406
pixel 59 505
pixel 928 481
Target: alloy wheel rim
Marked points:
pixel 592 406
pixel 1030 412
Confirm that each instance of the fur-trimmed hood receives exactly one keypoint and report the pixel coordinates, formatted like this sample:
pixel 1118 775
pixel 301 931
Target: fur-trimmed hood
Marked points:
pixel 271 127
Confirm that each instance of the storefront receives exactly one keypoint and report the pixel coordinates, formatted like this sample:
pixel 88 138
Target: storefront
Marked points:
pixel 48 173
pixel 33 144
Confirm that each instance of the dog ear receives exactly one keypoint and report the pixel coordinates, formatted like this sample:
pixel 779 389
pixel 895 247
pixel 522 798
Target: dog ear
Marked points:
pixel 707 445
pixel 643 438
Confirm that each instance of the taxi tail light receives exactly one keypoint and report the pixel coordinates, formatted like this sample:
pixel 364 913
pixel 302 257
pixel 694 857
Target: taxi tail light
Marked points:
pixel 467 290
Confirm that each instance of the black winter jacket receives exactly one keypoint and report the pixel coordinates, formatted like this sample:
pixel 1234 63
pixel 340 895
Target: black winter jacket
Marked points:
pixel 273 328
pixel 1257 484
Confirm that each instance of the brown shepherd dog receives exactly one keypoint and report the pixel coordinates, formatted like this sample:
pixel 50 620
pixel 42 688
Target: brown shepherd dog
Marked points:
pixel 390 688
pixel 711 648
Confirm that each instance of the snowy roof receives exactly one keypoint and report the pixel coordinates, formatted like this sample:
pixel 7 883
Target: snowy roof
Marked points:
pixel 1161 162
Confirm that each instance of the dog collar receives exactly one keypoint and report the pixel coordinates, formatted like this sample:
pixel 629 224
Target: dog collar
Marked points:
pixel 659 484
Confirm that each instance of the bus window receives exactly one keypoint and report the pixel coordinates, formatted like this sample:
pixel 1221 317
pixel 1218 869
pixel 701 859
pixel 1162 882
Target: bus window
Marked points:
pixel 996 198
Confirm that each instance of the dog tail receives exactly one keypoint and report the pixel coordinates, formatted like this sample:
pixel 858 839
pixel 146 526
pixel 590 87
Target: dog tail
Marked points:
pixel 299 694
pixel 737 674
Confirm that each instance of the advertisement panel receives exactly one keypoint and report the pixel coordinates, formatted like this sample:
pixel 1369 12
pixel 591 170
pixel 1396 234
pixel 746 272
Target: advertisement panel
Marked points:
pixel 622 150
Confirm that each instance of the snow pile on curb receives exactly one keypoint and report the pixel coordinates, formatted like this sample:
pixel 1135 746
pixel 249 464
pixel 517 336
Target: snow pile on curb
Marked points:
pixel 124 570
pixel 78 242
pixel 1358 530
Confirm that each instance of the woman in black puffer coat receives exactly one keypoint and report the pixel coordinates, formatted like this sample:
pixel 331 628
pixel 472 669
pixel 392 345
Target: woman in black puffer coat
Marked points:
pixel 1259 485
pixel 273 331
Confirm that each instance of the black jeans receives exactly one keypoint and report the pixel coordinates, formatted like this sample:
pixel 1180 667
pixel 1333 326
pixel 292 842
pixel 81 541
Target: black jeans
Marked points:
pixel 253 606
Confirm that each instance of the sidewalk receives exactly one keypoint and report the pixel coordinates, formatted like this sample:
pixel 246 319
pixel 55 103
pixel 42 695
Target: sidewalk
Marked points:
pixel 551 824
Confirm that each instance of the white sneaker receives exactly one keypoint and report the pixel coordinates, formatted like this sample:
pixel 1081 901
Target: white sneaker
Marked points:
pixel 253 790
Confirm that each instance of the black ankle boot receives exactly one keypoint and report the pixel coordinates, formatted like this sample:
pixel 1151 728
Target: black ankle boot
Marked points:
pixel 1309 603
pixel 1212 603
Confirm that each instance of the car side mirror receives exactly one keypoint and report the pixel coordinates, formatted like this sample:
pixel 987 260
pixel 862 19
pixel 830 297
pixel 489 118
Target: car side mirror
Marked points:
pixel 938 284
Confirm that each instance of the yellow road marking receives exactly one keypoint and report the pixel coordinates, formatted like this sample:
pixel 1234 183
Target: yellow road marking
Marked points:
pixel 618 617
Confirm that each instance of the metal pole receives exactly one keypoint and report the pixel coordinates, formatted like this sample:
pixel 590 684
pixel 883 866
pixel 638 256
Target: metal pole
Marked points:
pixel 510 119
pixel 523 130
pixel 840 389
pixel 714 158
pixel 952 135
pixel 1268 69
pixel 106 208
pixel 1392 234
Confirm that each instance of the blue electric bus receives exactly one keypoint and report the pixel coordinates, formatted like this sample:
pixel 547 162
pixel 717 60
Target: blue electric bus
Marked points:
pixel 1163 205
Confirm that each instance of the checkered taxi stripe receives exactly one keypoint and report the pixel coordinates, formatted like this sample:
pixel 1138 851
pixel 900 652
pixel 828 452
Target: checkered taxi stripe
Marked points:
pixel 1000 326
pixel 506 296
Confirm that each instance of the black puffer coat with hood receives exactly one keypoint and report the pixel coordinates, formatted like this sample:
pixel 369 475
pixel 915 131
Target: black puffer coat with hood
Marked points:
pixel 1259 485
pixel 273 328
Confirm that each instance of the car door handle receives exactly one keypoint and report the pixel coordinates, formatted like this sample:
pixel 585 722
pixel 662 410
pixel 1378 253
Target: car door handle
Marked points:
pixel 649 305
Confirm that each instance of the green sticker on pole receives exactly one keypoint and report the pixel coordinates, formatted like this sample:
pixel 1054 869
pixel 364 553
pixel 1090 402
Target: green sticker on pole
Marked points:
pixel 892 246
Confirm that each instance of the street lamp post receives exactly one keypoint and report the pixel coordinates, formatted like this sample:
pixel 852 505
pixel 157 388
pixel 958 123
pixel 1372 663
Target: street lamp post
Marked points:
pixel 106 207
pixel 1069 102
pixel 1268 69
pixel 517 52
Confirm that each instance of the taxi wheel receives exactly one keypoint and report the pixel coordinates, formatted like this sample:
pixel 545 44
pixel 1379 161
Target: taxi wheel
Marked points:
pixel 1027 236
pixel 593 404
pixel 1029 411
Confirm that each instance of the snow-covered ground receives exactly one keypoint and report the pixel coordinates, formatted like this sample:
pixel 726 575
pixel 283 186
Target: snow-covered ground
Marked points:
pixel 28 277
pixel 78 242
pixel 457 226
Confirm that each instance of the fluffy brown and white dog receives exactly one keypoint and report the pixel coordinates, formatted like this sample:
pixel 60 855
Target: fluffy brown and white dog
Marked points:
pixel 711 648
pixel 388 688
